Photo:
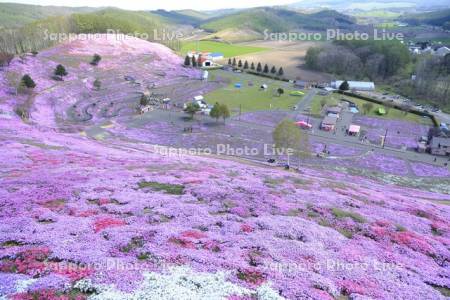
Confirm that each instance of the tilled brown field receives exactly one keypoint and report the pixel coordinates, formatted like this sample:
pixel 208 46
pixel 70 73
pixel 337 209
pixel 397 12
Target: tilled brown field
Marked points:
pixel 289 55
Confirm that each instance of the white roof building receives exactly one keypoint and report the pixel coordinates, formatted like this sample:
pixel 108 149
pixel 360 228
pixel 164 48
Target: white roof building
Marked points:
pixel 443 51
pixel 355 85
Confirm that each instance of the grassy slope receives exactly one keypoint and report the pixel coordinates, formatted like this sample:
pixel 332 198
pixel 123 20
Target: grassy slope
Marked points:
pixel 16 15
pixel 277 20
pixel 251 97
pixel 379 13
pixel 393 114
pixel 227 49
pixel 187 17
pixel 194 14
pixel 126 21
pixel 436 18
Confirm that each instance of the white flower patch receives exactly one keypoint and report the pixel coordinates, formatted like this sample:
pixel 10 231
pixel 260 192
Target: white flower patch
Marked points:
pixel 180 283
pixel 265 292
pixel 22 285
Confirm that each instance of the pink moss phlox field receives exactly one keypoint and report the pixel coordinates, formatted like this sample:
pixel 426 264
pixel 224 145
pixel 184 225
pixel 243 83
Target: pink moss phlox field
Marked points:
pixel 399 133
pixel 112 211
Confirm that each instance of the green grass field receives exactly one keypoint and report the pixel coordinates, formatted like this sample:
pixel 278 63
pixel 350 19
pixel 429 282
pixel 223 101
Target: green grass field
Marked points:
pixel 228 50
pixel 392 114
pixel 252 98
pixel 379 13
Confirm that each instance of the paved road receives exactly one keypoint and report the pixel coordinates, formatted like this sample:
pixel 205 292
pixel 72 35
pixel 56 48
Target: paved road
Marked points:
pixel 305 102
pixel 441 116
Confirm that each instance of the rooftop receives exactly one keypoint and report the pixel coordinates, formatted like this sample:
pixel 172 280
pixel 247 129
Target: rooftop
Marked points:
pixel 329 120
pixel 437 142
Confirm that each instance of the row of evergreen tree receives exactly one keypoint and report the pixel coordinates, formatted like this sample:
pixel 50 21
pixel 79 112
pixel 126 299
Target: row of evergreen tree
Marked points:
pixel 259 68
pixel 192 61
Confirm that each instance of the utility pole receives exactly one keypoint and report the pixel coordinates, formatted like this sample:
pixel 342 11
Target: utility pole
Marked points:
pixel 384 139
pixel 240 111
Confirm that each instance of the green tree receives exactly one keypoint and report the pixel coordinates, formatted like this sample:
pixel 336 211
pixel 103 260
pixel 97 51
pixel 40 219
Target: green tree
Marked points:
pixel 266 69
pixel 224 112
pixel 215 112
pixel 27 82
pixel 273 70
pixel 229 62
pixel 280 92
pixel 281 71
pixel 97 84
pixel 240 64
pixel 312 57
pixel 246 65
pixel 287 138
pixel 367 107
pixel 259 68
pixel 187 61
pixel 194 62
pixel 60 71
pixel 96 59
pixel 234 62
pixel 191 109
pixel 344 86
pixel 252 66
pixel 144 101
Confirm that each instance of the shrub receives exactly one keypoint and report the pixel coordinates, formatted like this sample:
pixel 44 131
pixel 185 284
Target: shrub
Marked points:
pixel 27 82
pixel 96 59
pixel 174 189
pixel 340 214
pixel 60 71
pixel 97 84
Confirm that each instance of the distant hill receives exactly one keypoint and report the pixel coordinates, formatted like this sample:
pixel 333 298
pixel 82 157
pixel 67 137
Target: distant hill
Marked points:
pixel 435 18
pixel 194 13
pixel 369 5
pixel 277 20
pixel 186 17
pixel 33 36
pixel 124 20
pixel 13 15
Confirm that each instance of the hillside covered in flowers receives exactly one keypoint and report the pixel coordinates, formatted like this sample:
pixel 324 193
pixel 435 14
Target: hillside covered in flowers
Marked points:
pixel 84 218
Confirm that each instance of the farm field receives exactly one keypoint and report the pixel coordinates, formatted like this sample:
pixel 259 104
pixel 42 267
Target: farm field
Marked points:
pixel 229 50
pixel 252 98
pixel 289 55
pixel 391 114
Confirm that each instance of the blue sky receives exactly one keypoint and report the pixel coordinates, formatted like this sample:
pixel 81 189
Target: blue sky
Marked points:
pixel 166 4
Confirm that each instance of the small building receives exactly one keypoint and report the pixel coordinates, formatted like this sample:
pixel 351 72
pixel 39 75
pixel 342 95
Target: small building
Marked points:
pixel 216 56
pixel 328 123
pixel 421 147
pixel 355 85
pixel 354 130
pixel 440 146
pixel 207 63
pixel 334 111
pixel 442 51
pixel 144 109
pixel 300 84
